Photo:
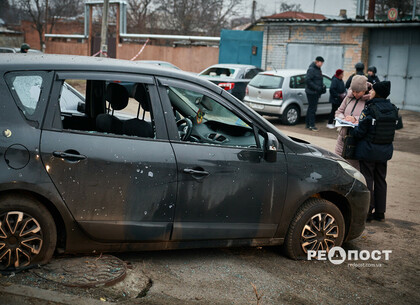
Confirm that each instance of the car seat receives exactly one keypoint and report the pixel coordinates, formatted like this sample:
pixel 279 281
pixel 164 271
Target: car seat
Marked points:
pixel 117 96
pixel 139 127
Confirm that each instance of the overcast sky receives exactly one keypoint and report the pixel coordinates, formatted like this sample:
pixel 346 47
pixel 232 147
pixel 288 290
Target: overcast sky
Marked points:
pixel 326 7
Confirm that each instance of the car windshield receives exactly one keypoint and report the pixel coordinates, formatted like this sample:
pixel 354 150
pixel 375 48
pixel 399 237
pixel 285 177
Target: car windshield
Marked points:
pixel 219 72
pixel 267 81
pixel 195 104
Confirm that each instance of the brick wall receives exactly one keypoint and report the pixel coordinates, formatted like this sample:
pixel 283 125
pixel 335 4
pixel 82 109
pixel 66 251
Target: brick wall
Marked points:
pixel 354 40
pixel 11 40
pixel 189 58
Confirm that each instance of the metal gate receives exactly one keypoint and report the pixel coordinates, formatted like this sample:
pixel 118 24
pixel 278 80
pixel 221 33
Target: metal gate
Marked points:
pixel 300 56
pixel 395 54
pixel 112 46
pixel 241 47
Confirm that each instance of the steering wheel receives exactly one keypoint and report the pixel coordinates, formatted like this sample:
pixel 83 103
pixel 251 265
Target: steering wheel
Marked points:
pixel 185 127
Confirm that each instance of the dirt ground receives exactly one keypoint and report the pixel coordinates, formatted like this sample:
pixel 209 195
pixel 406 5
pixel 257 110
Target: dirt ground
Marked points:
pixel 228 276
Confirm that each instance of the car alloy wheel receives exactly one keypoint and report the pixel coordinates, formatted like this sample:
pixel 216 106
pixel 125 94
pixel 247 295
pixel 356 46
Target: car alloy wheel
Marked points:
pixel 21 239
pixel 319 233
pixel 317 225
pixel 291 115
pixel 28 234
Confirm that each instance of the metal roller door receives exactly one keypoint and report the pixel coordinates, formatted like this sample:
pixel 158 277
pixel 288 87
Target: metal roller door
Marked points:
pixel 396 55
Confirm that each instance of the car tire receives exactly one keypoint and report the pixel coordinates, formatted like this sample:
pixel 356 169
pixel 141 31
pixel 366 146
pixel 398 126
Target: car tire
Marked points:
pixel 291 115
pixel 28 234
pixel 305 231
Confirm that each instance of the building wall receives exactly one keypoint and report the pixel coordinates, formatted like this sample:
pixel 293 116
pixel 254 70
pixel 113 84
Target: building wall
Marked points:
pixel 71 47
pixel 188 58
pixel 11 40
pixel 354 40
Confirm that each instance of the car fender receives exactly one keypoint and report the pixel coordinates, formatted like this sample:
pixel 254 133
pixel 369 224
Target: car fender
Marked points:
pixel 310 177
pixel 291 101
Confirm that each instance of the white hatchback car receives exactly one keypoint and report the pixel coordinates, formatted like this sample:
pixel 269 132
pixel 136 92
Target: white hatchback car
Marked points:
pixel 282 93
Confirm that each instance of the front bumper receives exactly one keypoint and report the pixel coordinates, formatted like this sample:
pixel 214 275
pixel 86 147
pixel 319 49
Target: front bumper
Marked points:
pixel 359 199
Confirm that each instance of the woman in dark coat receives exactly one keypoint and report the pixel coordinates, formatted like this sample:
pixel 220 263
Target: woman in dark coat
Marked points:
pixel 337 94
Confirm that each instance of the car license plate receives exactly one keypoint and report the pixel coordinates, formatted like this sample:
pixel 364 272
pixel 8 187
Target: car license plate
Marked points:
pixel 257 106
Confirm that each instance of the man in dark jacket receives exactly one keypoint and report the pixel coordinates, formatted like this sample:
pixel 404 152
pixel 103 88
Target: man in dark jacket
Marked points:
pixel 372 78
pixel 314 87
pixel 360 67
pixel 375 134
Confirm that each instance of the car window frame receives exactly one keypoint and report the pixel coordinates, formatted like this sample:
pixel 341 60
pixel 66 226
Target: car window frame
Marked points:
pixel 35 119
pixel 327 77
pixel 164 82
pixel 257 71
pixel 294 76
pixel 54 111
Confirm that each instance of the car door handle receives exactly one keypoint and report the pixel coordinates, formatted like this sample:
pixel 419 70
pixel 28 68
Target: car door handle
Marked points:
pixel 69 155
pixel 300 94
pixel 198 173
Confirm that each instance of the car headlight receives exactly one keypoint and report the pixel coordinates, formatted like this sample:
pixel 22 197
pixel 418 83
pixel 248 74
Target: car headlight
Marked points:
pixel 353 172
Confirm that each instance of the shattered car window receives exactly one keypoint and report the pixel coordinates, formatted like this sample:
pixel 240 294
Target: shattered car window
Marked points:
pixel 28 89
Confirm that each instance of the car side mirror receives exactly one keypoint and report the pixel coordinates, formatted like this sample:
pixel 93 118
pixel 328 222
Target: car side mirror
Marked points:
pixel 81 107
pixel 271 147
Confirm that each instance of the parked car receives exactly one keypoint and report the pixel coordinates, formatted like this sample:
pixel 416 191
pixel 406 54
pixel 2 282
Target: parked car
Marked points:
pixel 231 77
pixel 16 50
pixel 282 93
pixel 159 159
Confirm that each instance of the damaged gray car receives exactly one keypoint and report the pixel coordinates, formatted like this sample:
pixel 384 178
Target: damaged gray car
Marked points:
pixel 155 159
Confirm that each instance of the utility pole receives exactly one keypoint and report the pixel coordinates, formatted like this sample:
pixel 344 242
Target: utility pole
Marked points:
pixel 414 9
pixel 104 46
pixel 371 12
pixel 254 5
pixel 43 46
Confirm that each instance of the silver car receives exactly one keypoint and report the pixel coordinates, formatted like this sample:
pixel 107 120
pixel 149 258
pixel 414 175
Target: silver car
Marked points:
pixel 282 93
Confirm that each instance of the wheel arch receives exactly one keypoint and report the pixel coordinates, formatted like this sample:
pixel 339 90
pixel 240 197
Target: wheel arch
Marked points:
pixel 335 198
pixel 292 102
pixel 341 203
pixel 56 215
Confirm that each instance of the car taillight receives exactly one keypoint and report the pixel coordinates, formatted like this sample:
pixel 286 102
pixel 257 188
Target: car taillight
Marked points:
pixel 278 95
pixel 247 91
pixel 227 86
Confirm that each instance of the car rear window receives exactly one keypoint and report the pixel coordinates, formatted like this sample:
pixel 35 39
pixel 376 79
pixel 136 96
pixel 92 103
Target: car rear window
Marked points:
pixel 266 81
pixel 219 72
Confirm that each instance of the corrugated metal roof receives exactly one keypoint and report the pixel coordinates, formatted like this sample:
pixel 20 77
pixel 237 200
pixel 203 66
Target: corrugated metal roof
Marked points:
pixel 295 15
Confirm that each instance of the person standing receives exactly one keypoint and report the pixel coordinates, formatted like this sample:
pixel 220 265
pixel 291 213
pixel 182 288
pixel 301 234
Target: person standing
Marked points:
pixel 375 134
pixel 372 78
pixel 337 94
pixel 24 48
pixel 360 67
pixel 350 110
pixel 314 87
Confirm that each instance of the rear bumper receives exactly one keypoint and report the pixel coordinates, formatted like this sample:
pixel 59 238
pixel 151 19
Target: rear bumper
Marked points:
pixel 274 108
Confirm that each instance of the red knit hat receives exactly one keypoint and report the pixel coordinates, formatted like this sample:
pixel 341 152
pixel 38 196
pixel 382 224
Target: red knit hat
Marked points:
pixel 338 72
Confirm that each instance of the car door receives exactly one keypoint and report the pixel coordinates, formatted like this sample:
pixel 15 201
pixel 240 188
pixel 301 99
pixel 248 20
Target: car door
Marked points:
pixel 226 189
pixel 118 187
pixel 324 105
pixel 297 91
